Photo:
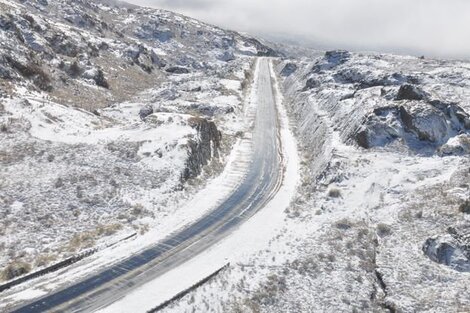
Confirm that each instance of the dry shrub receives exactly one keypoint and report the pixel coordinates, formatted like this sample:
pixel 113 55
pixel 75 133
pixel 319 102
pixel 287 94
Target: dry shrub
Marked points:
pixel 334 192
pixel 15 269
pixel 32 71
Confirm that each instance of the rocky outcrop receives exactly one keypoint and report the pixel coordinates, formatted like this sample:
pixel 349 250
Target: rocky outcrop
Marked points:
pixel 337 56
pixel 202 149
pixel 177 70
pixel 426 122
pixel 145 111
pixel 311 83
pixel 289 69
pixel 410 92
pixel 456 146
pixel 227 56
pixel 451 249
pixel 437 124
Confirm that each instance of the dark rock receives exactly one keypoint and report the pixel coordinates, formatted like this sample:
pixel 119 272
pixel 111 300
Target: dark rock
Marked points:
pixel 97 75
pixel 426 122
pixel 227 56
pixel 145 111
pixel 410 92
pixel 331 60
pixel 4 72
pixel 32 71
pixel 337 57
pixel 202 149
pixel 61 44
pixel 289 69
pixel 447 250
pixel 465 207
pixel 262 50
pixel 74 70
pixel 362 139
pixel 311 83
pixel 177 70
pixel 379 129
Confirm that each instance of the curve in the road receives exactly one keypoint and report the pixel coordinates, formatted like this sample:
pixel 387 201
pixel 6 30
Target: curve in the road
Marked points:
pixel 260 184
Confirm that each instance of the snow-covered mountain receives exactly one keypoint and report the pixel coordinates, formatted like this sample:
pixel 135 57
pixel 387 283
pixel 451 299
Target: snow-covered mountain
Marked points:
pixel 108 113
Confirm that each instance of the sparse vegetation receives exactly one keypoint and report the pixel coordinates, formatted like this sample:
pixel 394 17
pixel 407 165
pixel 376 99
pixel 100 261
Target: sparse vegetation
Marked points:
pixel 101 80
pixel 15 269
pixel 74 70
pixel 32 71
pixel 45 260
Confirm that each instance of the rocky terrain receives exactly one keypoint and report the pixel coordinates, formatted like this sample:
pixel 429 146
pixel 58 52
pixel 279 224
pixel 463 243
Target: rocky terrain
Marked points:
pixel 380 222
pixel 110 116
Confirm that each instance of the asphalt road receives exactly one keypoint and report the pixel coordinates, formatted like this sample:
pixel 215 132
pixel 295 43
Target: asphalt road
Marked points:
pixel 259 185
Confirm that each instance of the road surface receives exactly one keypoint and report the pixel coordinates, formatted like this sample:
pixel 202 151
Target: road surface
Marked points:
pixel 258 187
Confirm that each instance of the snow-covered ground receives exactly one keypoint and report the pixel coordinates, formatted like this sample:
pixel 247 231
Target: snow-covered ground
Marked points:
pixel 111 118
pixel 100 106
pixel 354 238
pixel 253 236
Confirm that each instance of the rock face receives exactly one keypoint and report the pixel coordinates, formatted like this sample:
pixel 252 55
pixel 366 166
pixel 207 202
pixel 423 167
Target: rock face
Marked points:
pixel 145 111
pixel 177 70
pixel 442 125
pixel 337 56
pixel 289 69
pixel 227 56
pixel 311 83
pixel 449 250
pixel 457 146
pixel 410 92
pixel 426 122
pixel 202 150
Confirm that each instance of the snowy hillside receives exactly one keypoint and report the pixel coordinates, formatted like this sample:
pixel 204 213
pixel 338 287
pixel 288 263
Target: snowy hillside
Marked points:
pixel 113 117
pixel 110 117
pixel 381 219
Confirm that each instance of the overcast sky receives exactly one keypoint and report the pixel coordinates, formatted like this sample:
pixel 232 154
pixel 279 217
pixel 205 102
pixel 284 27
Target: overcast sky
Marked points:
pixel 429 27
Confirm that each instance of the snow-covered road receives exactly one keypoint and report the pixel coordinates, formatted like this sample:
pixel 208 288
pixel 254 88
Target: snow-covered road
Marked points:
pixel 263 178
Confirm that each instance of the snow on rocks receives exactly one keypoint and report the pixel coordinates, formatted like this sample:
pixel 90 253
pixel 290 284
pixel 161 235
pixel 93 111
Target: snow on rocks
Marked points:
pixel 372 226
pixel 103 129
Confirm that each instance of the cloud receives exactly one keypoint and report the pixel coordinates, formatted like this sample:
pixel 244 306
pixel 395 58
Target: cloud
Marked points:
pixel 430 27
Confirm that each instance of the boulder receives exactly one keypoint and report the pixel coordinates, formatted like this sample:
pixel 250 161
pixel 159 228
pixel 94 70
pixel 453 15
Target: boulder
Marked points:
pixel 311 83
pixel 448 251
pixel 410 92
pixel 145 111
pixel 177 70
pixel 465 207
pixel 426 122
pixel 227 56
pixel 97 75
pixel 289 69
pixel 457 146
